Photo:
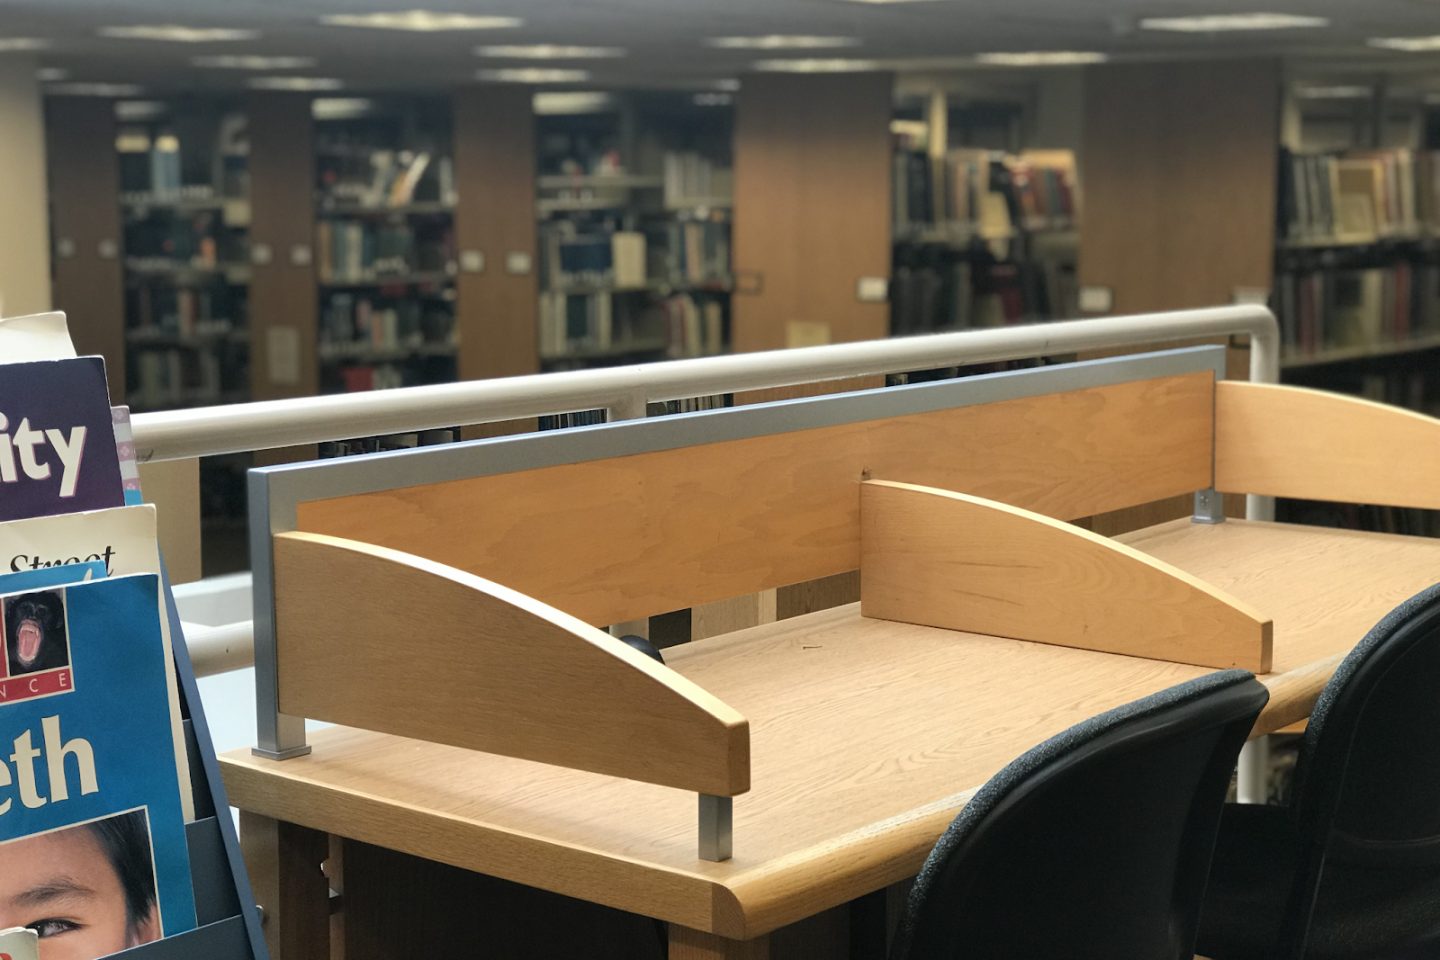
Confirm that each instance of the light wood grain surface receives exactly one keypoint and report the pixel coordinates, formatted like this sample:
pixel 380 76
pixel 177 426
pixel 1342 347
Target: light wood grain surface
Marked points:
pixel 430 652
pixel 951 560
pixel 622 538
pixel 867 737
pixel 1290 442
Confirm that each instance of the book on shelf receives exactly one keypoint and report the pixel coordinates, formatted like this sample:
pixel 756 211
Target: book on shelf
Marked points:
pixel 92 837
pixel 1336 307
pixel 377 178
pixel 692 179
pixel 944 289
pixel 969 193
pixel 351 324
pixel 1359 196
pixel 694 326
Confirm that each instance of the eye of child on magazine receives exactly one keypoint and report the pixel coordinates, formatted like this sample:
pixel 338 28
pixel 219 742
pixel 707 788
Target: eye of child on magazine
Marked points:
pixel 88 891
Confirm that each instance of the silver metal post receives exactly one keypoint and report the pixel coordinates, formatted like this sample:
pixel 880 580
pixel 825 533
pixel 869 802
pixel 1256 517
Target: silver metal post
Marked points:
pixel 717 827
pixel 1252 776
pixel 1209 507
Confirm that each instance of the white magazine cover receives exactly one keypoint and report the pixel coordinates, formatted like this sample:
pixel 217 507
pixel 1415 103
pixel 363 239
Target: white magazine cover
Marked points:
pixel 39 336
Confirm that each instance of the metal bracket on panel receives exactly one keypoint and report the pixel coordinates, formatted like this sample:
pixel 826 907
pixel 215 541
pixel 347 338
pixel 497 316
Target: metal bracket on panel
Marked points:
pixel 1209 507
pixel 717 827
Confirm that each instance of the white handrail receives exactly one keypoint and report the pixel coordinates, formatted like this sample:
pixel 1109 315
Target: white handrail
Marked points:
pixel 624 391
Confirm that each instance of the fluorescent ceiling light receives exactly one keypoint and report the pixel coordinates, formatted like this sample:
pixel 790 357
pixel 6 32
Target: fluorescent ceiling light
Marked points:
pixel 781 41
pixel 714 99
pixel 1407 44
pixel 886 3
pixel 13 44
pixel 51 74
pixel 1042 58
pixel 339 108
pixel 729 85
pixel 548 51
pixel 534 75
pixel 139 109
pixel 1216 23
pixel 1334 93
pixel 816 66
pixel 561 103
pixel 253 62
pixel 421 21
pixel 175 33
pixel 96 89
pixel 302 84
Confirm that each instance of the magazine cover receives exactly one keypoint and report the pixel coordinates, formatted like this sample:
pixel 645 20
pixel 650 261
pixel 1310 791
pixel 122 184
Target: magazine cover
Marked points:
pixel 57 441
pixel 19 943
pixel 92 833
pixel 120 541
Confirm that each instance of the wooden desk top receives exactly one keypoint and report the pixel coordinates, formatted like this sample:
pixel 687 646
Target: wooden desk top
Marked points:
pixel 867 738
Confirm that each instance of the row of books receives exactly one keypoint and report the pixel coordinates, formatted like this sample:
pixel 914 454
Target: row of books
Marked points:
pixel 692 179
pixel 200 239
pixel 691 251
pixel 378 376
pixel 1335 309
pixel 1359 196
pixel 168 377
pixel 984 193
pixel 359 251
pixel 185 312
pixel 932 294
pixel 668 253
pixel 89 694
pixel 679 325
pixel 350 321
pixel 379 178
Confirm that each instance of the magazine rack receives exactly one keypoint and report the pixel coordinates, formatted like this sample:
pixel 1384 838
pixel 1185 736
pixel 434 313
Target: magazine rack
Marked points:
pixel 444 606
pixel 227 919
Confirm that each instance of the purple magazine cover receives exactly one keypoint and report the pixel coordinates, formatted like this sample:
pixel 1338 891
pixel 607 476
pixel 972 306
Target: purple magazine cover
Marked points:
pixel 57 445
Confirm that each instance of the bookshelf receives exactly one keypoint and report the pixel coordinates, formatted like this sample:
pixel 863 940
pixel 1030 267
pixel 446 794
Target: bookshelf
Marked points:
pixel 984 236
pixel 385 197
pixel 185 214
pixel 634 201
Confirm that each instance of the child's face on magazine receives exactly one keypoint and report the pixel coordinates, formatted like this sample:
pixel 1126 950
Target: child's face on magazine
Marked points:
pixel 64 887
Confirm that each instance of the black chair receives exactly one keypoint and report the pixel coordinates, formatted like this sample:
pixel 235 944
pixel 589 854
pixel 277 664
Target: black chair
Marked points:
pixel 1094 845
pixel 1350 868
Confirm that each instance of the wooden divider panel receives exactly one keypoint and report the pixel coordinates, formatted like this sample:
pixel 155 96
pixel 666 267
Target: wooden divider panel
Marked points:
pixel 944 559
pixel 432 653
pixel 1290 442
pixel 614 539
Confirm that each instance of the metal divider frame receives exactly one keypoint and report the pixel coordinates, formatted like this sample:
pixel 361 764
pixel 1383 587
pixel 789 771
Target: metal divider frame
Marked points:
pixel 276 492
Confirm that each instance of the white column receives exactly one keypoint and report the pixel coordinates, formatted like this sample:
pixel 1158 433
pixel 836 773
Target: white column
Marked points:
pixel 24 224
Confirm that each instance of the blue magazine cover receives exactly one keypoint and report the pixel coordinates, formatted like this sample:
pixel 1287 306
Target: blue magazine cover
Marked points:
pixel 93 851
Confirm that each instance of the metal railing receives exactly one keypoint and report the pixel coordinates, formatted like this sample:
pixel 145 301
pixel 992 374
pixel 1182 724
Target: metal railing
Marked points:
pixel 623 393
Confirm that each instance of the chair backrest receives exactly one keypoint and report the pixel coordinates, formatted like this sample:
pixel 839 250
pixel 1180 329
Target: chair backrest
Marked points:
pixel 1095 845
pixel 1367 785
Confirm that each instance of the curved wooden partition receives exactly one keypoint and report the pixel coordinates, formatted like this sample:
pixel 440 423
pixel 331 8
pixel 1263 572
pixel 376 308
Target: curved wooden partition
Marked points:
pixel 950 560
pixel 1279 441
pixel 380 639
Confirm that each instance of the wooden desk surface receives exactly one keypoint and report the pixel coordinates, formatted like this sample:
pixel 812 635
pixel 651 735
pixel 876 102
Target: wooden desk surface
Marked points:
pixel 867 737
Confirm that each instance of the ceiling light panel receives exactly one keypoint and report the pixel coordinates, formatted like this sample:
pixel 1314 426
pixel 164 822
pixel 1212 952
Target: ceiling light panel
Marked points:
pixel 1407 44
pixel 781 41
pixel 421 21
pixel 175 33
pixel 534 75
pixel 1042 58
pixel 816 66
pixel 1334 93
pixel 1223 22
pixel 300 84
pixel 16 44
pixel 253 62
pixel 547 51
pixel 95 89
pixel 51 74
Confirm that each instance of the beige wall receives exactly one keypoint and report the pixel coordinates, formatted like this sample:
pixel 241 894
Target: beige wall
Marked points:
pixel 24 227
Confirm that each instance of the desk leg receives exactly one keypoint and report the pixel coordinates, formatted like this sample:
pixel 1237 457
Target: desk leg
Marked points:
pixel 687 944
pixel 284 864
